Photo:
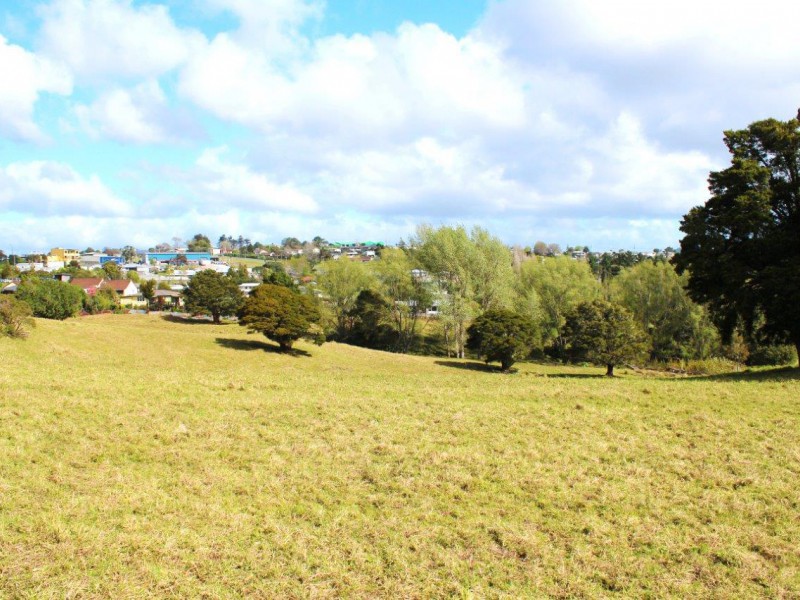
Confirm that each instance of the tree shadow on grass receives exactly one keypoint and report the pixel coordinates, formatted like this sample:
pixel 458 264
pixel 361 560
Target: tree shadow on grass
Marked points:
pixel 251 345
pixel 185 319
pixel 766 375
pixel 472 366
pixel 584 376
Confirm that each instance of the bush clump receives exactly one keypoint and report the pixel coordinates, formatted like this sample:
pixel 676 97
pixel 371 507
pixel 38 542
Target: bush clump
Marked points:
pixel 51 299
pixel 772 356
pixel 16 317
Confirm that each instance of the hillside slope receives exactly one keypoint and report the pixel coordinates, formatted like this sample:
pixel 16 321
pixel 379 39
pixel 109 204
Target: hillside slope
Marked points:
pixel 141 457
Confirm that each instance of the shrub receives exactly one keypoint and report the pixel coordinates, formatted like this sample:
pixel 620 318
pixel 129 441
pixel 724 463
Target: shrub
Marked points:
pixel 711 366
pixel 105 299
pixel 16 317
pixel 51 299
pixel 777 356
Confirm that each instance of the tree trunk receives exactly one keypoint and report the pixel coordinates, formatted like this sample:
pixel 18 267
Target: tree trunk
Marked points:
pixel 215 317
pixel 797 347
pixel 609 370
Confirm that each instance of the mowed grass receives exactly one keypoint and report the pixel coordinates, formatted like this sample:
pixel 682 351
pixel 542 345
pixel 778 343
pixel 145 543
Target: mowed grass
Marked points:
pixel 146 458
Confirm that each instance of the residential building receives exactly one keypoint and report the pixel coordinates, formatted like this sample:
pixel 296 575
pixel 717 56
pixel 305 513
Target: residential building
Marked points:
pixel 64 255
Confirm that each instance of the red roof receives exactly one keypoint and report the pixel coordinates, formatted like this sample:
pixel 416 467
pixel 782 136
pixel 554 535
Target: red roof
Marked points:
pixel 87 284
pixel 118 285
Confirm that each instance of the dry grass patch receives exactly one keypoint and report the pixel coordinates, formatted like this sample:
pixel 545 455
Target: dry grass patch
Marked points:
pixel 145 458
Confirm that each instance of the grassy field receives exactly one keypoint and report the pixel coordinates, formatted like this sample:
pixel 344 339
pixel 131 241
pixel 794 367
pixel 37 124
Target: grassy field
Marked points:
pixel 235 261
pixel 141 458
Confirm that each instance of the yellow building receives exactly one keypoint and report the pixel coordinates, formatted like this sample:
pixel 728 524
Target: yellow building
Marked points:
pixel 64 255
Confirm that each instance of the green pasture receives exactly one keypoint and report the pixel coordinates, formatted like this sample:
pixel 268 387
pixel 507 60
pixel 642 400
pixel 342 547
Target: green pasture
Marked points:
pixel 142 457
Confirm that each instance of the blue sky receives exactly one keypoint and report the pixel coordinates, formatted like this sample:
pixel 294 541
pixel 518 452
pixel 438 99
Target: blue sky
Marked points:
pixel 576 122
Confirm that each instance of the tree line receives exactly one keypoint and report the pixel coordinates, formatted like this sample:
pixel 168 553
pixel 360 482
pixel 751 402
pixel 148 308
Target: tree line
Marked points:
pixel 733 289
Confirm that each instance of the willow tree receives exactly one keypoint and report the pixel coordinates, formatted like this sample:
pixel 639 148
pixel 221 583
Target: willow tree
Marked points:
pixel 656 296
pixel 341 281
pixel 549 288
pixel 472 273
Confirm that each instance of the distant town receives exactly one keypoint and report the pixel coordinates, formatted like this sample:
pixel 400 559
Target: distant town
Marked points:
pixel 171 265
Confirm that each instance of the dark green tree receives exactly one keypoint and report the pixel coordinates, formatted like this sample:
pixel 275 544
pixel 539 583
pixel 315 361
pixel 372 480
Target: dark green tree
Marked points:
pixel 604 333
pixel 50 299
pixel 129 254
pixel 148 290
pixel 212 293
pixel 199 243
pixel 370 318
pixel 503 336
pixel 742 247
pixel 274 272
pixel 282 314
pixel 111 270
pixel 239 274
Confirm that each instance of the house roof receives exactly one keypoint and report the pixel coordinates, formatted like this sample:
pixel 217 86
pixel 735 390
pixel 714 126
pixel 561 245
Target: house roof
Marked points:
pixel 118 285
pixel 167 294
pixel 87 282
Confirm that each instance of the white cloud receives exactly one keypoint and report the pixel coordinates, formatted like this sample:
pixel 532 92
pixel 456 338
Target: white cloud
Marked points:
pixel 49 188
pixel 598 118
pixel 236 185
pixel 271 24
pixel 140 115
pixel 25 76
pixel 115 38
pixel 359 86
pixel 426 178
pixel 687 69
pixel 640 177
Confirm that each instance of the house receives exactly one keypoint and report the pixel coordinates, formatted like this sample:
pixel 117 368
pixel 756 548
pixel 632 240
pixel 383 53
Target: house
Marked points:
pixel 63 255
pixel 127 291
pixel 89 285
pixel 167 298
pixel 247 288
pixel 90 260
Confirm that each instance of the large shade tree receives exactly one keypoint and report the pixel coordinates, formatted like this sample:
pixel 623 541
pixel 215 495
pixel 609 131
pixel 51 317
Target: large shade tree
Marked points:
pixel 212 293
pixel 549 288
pixel 742 248
pixel 503 336
pixel 341 281
pixel 604 333
pixel 282 314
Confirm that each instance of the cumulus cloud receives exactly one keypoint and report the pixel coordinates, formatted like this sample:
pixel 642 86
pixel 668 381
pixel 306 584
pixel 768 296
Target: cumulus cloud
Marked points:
pixel 114 38
pixel 236 184
pixel 45 188
pixel 272 25
pixel 599 118
pixel 140 115
pixel 687 69
pixel 361 86
pixel 25 77
pixel 642 177
pixel 426 178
